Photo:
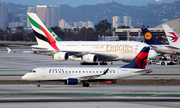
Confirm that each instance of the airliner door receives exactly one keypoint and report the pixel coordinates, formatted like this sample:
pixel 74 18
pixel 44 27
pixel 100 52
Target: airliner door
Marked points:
pixel 43 72
pixel 118 71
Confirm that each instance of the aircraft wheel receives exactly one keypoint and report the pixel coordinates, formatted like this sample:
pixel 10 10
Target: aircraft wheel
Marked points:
pixel 85 84
pixel 38 85
pixel 103 63
pixel 162 63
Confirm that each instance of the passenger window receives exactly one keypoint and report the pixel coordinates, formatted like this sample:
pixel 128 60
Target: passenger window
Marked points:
pixel 96 71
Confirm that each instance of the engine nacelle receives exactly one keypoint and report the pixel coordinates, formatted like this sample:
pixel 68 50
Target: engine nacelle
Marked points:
pixel 61 56
pixel 72 81
pixel 90 58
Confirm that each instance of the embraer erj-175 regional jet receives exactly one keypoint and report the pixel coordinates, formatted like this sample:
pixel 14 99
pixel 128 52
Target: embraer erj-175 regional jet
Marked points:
pixel 86 51
pixel 74 75
pixel 157 45
pixel 172 37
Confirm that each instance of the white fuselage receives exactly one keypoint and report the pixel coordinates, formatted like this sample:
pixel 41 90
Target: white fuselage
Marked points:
pixel 165 49
pixel 118 50
pixel 62 74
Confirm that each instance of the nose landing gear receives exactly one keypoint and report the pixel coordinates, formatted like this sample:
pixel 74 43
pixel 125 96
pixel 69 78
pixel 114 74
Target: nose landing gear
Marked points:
pixel 38 84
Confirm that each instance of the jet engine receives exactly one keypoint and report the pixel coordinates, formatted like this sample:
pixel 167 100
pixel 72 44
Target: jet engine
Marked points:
pixel 72 81
pixel 61 56
pixel 90 58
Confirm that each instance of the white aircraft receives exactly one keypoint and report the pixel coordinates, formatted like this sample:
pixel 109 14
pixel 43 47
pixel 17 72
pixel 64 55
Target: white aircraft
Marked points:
pixel 157 45
pixel 75 75
pixel 172 37
pixel 86 51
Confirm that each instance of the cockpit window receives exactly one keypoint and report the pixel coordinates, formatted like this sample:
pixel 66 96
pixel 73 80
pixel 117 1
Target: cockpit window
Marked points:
pixel 32 71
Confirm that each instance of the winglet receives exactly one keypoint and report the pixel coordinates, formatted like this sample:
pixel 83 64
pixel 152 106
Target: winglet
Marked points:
pixel 104 73
pixel 139 62
pixel 149 37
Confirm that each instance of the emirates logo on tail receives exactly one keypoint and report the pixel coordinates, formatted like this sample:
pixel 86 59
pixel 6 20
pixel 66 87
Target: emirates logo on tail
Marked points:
pixel 50 38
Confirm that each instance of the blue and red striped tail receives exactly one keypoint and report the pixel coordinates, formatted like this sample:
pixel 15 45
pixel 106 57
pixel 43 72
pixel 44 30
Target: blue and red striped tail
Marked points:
pixel 139 62
pixel 150 38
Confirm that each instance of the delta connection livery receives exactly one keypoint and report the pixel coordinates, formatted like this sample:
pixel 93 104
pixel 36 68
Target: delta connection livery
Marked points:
pixel 86 51
pixel 74 75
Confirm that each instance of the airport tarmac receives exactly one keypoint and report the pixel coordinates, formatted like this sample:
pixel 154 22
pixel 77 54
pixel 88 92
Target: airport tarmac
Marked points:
pixel 96 96
pixel 15 64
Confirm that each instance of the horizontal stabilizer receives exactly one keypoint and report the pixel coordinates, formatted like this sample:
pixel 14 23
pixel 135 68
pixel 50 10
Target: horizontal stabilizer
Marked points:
pixel 9 50
pixel 144 71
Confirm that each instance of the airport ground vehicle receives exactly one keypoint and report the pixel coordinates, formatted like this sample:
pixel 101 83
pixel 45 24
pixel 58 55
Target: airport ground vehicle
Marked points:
pixel 151 61
pixel 167 62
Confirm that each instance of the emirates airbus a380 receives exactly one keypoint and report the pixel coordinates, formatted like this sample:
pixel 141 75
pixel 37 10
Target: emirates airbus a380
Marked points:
pixel 86 51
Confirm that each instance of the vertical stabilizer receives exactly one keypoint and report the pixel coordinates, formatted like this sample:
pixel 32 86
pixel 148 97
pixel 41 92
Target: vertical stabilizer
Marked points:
pixel 42 34
pixel 172 37
pixel 139 62
pixel 54 35
pixel 149 37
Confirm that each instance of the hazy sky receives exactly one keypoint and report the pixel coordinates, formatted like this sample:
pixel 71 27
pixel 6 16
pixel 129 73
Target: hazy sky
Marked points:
pixel 75 3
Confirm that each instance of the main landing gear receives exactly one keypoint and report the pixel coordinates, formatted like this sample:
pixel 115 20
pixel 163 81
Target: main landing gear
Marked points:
pixel 38 84
pixel 84 63
pixel 85 84
pixel 102 63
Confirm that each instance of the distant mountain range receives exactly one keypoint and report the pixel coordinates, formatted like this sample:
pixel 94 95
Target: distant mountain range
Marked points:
pixel 150 15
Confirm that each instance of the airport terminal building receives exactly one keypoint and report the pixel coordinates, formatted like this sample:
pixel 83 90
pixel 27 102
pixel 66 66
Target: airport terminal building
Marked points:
pixel 136 33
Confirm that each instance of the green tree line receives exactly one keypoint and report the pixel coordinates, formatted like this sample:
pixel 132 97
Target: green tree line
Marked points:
pixel 77 34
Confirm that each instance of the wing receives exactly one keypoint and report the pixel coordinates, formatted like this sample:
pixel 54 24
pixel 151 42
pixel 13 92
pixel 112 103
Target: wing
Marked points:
pixel 101 56
pixel 173 48
pixel 87 77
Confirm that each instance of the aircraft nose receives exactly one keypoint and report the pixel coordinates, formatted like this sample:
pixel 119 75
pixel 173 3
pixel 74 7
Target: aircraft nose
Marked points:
pixel 152 54
pixel 24 77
